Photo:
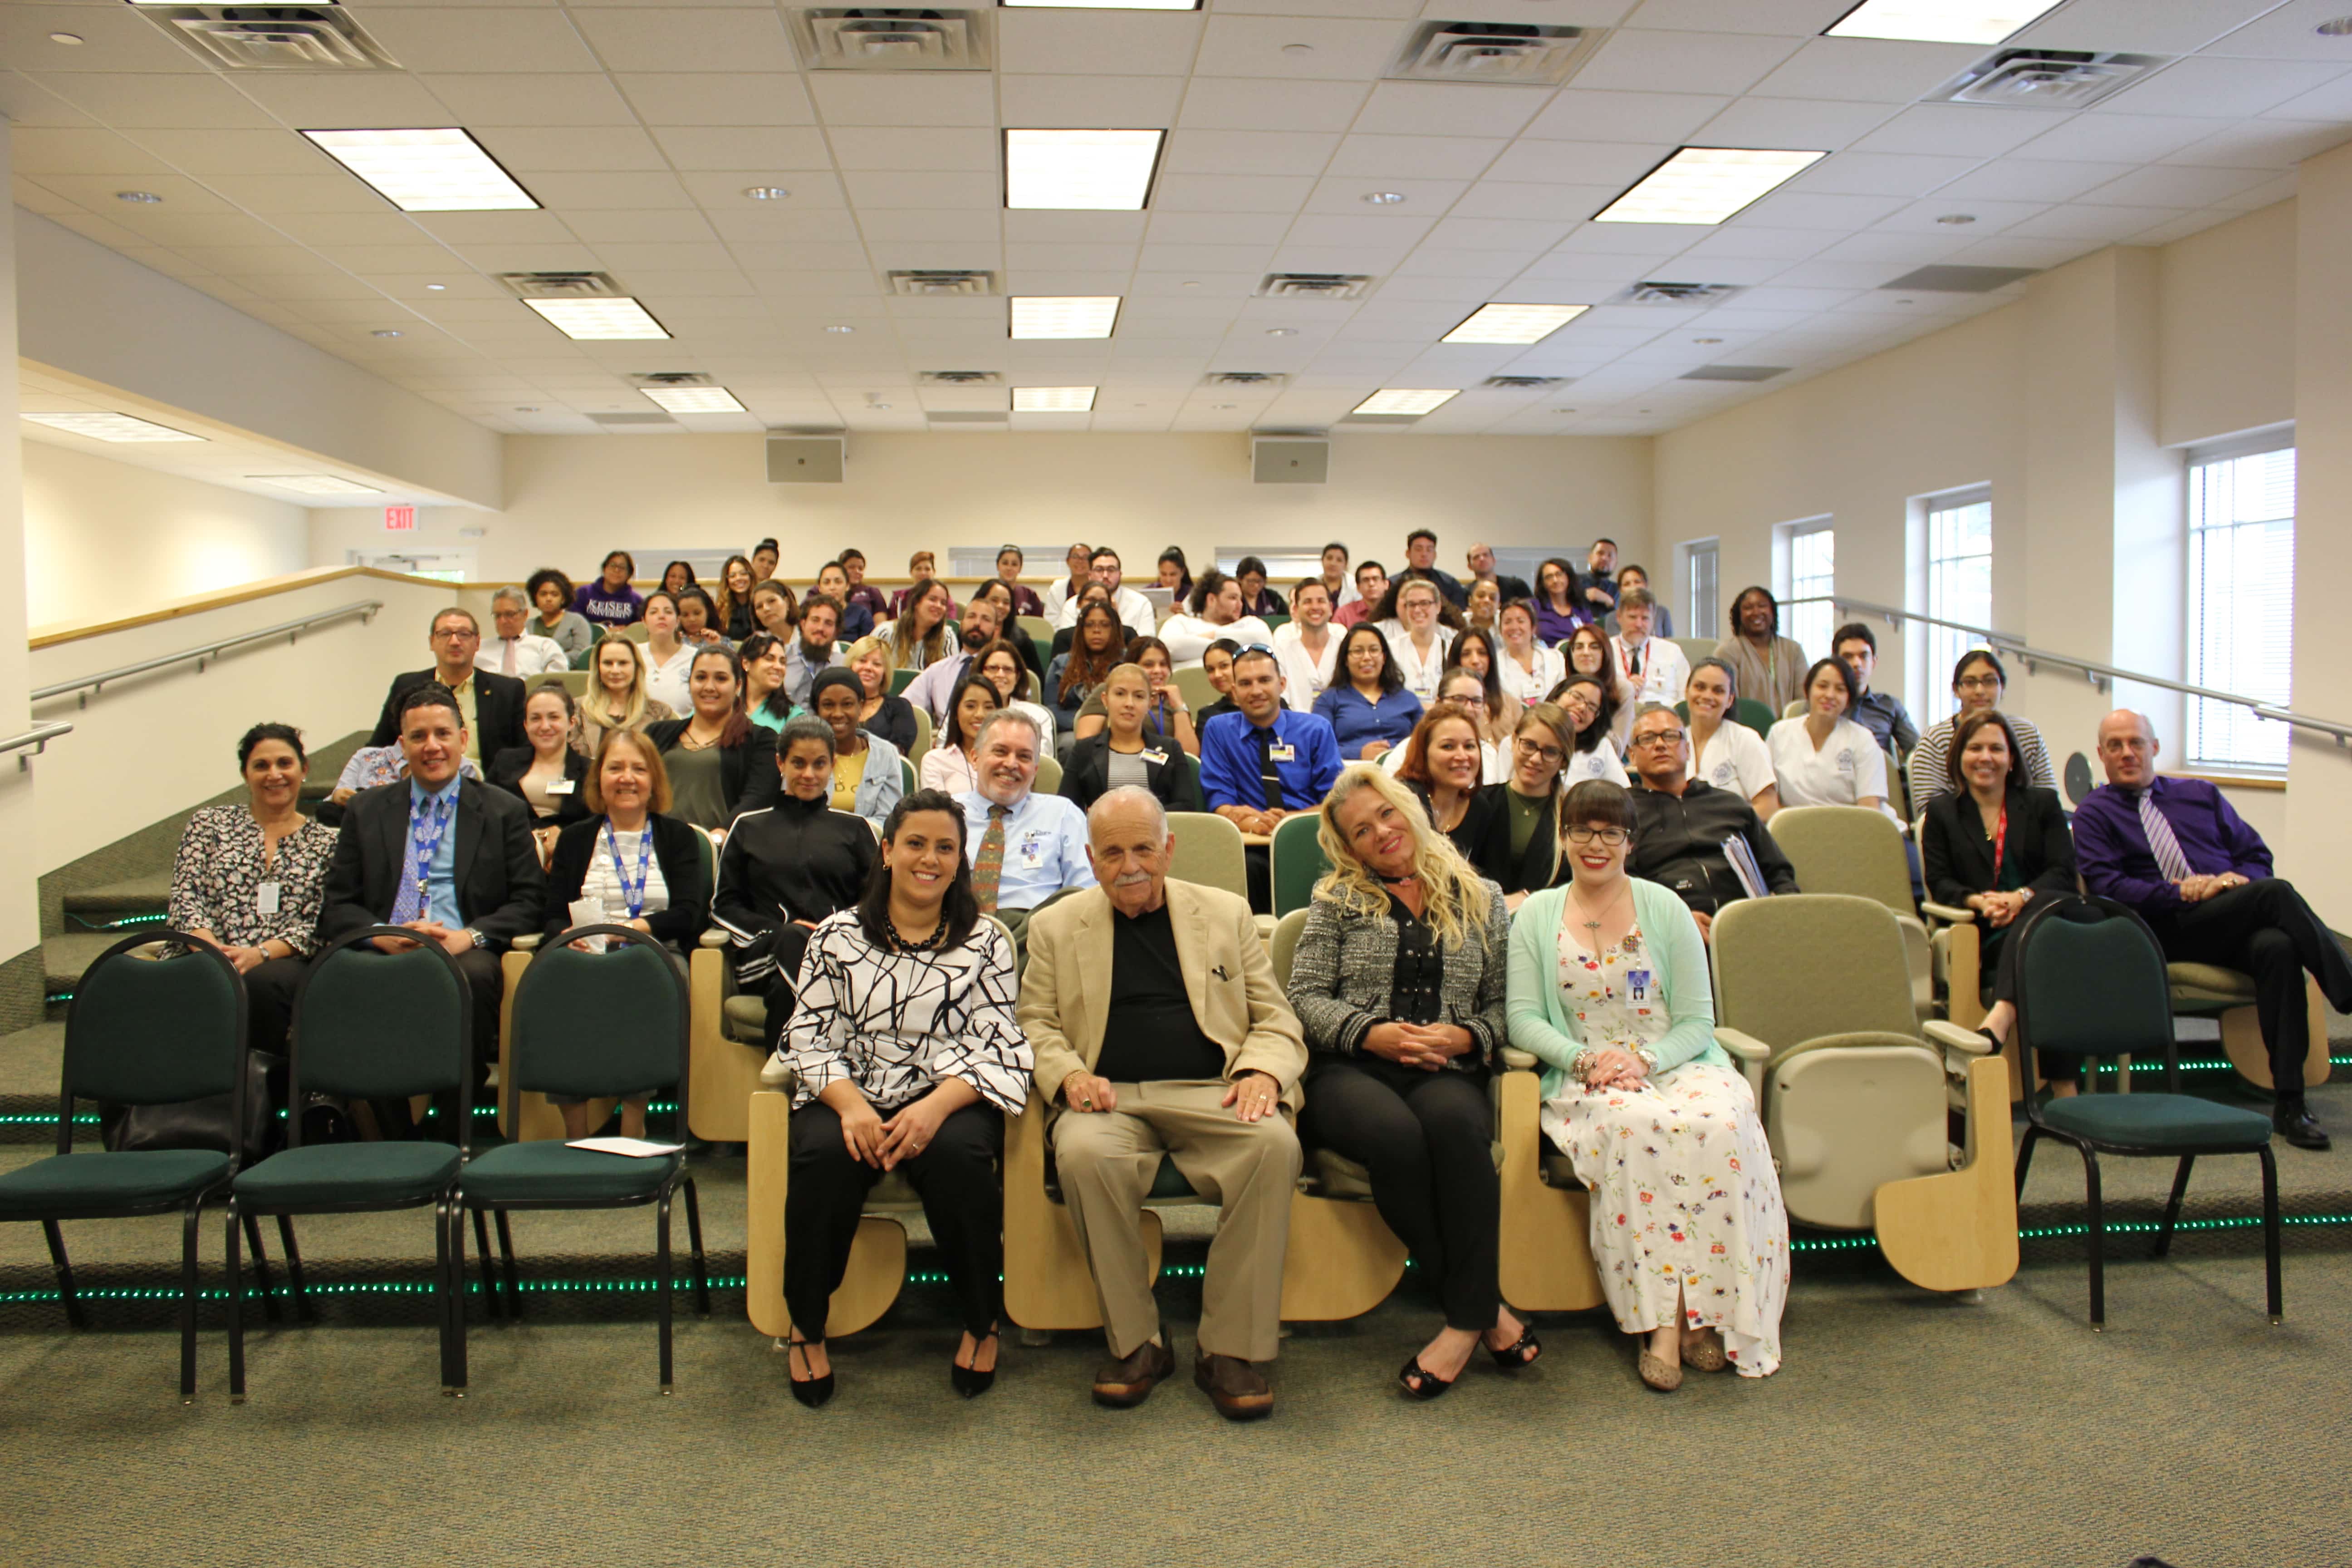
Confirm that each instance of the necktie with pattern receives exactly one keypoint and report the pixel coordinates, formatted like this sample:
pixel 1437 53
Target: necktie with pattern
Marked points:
pixel 2160 841
pixel 988 868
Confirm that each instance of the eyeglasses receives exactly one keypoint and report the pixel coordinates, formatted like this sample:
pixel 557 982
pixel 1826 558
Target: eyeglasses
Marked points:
pixel 1977 683
pixel 1613 837
pixel 1536 749
pixel 1478 702
pixel 1656 738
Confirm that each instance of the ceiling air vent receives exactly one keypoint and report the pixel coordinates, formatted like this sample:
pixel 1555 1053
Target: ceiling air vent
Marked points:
pixel 891 39
pixel 969 416
pixel 960 378
pixel 561 285
pixel 1954 280
pixel 321 36
pixel 1314 286
pixel 2046 79
pixel 629 419
pixel 1521 382
pixel 936 282
pixel 1506 54
pixel 1650 292
pixel 1734 372
pixel 1230 378
pixel 671 378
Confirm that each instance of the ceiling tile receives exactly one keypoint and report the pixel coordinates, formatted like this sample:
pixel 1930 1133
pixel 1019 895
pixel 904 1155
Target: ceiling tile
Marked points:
pixel 1128 102
pixel 1247 152
pixel 2221 88
pixel 2019 179
pixel 906 98
pixel 128 102
pixel 1790 16
pixel 931 150
pixel 1579 163
pixel 1578 115
pixel 1640 61
pixel 1502 234
pixel 1173 192
pixel 760 227
pixel 722 191
pixel 2081 222
pixel 351 228
pixel 688 38
pixel 2151 27
pixel 493 228
pixel 1035 228
pixel 1387 234
pixel 1882 173
pixel 553 100
pixel 2288 33
pixel 1416 157
pixel 1445 108
pixel 1867 70
pixel 1991 217
pixel 82 151
pixel 1340 49
pixel 1803 123
pixel 659 226
pixel 2175 187
pixel 333 102
pixel 564 191
pixel 2333 101
pixel 710 97
pixel 922 190
pixel 271 151
pixel 114 38
pixel 1218 229
pixel 2120 138
pixel 455 39
pixel 580 149
pixel 1078 42
pixel 1217 103
pixel 1802 209
pixel 1950 128
pixel 2262 144
pixel 1532 203
pixel 96 192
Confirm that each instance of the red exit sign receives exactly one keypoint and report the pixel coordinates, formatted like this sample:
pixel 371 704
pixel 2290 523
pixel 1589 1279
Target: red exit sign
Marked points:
pixel 400 519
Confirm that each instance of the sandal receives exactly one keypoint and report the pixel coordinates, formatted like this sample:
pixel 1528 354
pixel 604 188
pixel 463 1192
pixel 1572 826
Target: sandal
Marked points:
pixel 810 1391
pixel 969 1381
pixel 1520 1353
pixel 1420 1381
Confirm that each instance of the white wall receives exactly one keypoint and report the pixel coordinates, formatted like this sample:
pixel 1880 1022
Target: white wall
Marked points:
pixel 20 915
pixel 106 539
pixel 569 498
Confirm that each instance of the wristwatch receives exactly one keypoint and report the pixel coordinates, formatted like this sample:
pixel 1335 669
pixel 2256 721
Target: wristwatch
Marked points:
pixel 479 939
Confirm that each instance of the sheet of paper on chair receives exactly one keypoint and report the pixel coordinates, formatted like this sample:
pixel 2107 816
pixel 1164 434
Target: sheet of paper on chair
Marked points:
pixel 634 1148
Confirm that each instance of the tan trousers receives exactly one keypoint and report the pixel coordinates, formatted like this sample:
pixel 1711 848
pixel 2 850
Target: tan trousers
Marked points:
pixel 1107 1160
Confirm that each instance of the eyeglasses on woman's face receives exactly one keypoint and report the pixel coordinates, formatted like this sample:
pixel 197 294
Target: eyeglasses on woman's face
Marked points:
pixel 1536 749
pixel 1609 837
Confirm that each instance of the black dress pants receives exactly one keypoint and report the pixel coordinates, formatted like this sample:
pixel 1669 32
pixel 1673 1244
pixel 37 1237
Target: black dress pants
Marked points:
pixel 269 988
pixel 962 1196
pixel 1427 1139
pixel 2265 928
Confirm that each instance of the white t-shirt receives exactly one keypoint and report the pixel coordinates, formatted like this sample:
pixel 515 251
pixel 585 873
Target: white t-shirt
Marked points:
pixel 1420 674
pixel 1529 686
pixel 1188 636
pixel 1134 611
pixel 1304 679
pixel 1601 763
pixel 1734 758
pixel 1847 767
pixel 1665 670
pixel 667 682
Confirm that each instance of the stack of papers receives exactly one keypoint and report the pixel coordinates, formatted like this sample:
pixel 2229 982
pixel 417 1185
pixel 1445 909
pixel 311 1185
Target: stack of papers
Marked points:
pixel 634 1148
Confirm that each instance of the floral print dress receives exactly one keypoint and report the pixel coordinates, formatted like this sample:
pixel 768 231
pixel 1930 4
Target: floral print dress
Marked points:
pixel 1683 1191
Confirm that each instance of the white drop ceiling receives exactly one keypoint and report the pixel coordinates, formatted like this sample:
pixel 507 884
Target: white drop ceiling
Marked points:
pixel 639 127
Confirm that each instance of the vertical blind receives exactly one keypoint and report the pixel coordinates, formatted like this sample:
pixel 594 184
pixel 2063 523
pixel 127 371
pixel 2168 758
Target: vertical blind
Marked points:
pixel 1959 587
pixel 2241 606
pixel 1813 572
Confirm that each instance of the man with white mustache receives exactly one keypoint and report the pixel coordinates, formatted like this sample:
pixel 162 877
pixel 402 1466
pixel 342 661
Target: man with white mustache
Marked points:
pixel 1026 848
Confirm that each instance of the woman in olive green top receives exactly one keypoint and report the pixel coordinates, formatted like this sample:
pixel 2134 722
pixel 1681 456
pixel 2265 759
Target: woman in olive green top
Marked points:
pixel 1519 842
pixel 720 763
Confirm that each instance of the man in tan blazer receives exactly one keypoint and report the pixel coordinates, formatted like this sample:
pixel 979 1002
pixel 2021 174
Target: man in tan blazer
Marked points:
pixel 1158 1029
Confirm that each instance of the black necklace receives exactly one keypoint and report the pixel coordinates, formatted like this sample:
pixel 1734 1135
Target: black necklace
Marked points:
pixel 901 944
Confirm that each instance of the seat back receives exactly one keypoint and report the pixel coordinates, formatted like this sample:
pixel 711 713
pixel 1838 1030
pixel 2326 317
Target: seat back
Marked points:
pixel 1040 629
pixel 2091 983
pixel 1845 849
pixel 1695 648
pixel 1193 682
pixel 1754 715
pixel 636 632
pixel 1804 965
pixel 1049 776
pixel 1299 861
pixel 597 1024
pixel 150 1031
pixel 1898 781
pixel 922 737
pixel 1284 947
pixel 902 679
pixel 907 774
pixel 575 680
pixel 1208 851
pixel 382 1026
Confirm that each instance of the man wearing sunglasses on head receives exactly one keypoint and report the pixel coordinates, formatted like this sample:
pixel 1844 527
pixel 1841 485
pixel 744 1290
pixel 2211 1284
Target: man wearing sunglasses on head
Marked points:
pixel 1681 824
pixel 1264 761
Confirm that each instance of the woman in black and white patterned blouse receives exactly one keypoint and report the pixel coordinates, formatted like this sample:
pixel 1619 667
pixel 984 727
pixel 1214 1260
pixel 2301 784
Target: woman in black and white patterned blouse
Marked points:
pixel 249 879
pixel 907 1056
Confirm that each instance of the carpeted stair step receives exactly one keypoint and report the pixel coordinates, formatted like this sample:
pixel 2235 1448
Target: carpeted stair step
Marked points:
pixel 63 958
pixel 105 907
pixel 30 1060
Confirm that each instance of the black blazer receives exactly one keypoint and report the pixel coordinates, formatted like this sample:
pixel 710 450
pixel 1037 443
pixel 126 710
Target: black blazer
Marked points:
pixel 1489 826
pixel 747 772
pixel 498 711
pixel 506 770
pixel 501 889
pixel 1956 855
pixel 1085 773
pixel 677 850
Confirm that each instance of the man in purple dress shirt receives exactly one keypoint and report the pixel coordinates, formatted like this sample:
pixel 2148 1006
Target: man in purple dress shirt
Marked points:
pixel 2174 850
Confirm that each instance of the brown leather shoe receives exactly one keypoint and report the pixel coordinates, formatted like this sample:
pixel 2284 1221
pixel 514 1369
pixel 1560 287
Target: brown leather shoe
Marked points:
pixel 1128 1382
pixel 1236 1388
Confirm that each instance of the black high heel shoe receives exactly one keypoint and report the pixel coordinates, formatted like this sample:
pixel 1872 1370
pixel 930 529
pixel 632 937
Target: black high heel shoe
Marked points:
pixel 1420 1381
pixel 1520 1353
pixel 969 1381
pixel 811 1391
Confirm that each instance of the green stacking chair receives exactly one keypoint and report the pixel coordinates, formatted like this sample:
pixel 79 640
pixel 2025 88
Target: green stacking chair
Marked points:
pixel 1297 860
pixel 367 1026
pixel 141 1033
pixel 1744 710
pixel 2091 983
pixel 594 1024
pixel 902 679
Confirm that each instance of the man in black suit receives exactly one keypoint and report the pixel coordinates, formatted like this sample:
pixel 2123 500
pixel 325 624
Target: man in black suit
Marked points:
pixel 448 857
pixel 1482 570
pixel 490 707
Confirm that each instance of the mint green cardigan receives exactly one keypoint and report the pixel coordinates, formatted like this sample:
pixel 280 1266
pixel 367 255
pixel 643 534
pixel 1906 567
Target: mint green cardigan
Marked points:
pixel 1540 1021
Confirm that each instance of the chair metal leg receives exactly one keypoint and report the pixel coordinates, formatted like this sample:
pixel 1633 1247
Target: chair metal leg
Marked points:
pixel 507 1258
pixel 441 1291
pixel 2098 1237
pixel 2172 1205
pixel 236 1308
pixel 2271 1231
pixel 457 1293
pixel 294 1268
pixel 662 1268
pixel 188 1298
pixel 260 1265
pixel 490 1300
pixel 2025 1155
pixel 66 1294
pixel 694 1236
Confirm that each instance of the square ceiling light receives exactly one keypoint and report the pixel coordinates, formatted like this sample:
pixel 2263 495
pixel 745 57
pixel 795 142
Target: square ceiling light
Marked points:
pixel 443 171
pixel 1705 184
pixel 111 427
pixel 586 319
pixel 1501 323
pixel 315 484
pixel 1938 21
pixel 695 399
pixel 1095 171
pixel 1412 402
pixel 1063 315
pixel 1053 400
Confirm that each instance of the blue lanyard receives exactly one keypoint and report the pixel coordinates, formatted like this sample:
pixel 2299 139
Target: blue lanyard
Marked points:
pixel 424 847
pixel 633 896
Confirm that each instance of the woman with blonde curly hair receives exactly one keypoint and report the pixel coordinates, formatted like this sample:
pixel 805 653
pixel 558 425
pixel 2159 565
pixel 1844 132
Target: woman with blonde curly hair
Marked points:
pixel 1398 982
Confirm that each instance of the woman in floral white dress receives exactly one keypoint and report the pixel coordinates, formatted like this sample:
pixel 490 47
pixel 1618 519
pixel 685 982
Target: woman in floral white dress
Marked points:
pixel 1608 986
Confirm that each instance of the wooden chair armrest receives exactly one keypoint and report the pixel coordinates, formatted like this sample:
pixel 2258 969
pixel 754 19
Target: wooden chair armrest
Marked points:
pixel 1948 914
pixel 1517 1061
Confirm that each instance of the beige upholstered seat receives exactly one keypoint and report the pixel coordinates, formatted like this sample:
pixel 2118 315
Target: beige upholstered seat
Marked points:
pixel 1859 850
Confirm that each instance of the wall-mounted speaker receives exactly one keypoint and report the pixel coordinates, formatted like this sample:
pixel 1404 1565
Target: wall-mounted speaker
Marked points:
pixel 1289 459
pixel 804 459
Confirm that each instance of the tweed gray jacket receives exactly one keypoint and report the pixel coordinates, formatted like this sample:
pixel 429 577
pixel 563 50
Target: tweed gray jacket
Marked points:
pixel 1342 970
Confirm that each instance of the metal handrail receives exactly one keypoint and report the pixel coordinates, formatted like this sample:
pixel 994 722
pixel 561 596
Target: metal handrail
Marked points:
pixel 88 685
pixel 2100 675
pixel 39 738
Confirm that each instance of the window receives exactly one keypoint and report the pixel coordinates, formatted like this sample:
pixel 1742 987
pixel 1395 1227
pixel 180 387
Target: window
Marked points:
pixel 1698 579
pixel 979 560
pixel 2241 605
pixel 1960 587
pixel 1809 571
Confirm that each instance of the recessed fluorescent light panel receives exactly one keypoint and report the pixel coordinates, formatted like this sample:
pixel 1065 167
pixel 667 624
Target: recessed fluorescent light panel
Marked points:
pixel 1405 400
pixel 621 318
pixel 111 427
pixel 1513 323
pixel 1063 315
pixel 1705 184
pixel 315 484
pixel 425 171
pixel 1939 21
pixel 1096 171
pixel 695 399
pixel 1104 4
pixel 1052 399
